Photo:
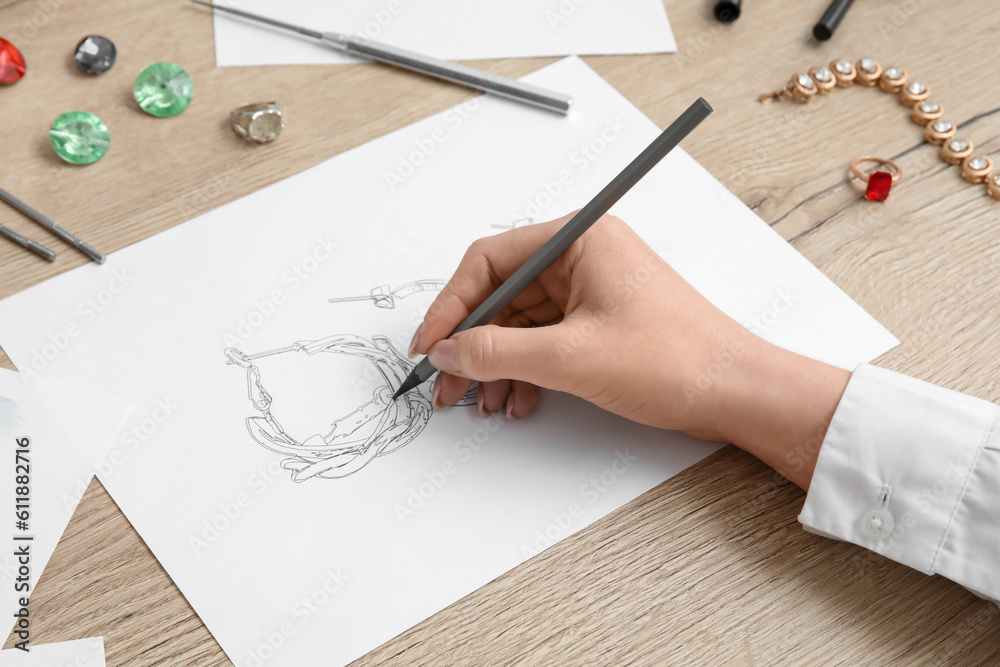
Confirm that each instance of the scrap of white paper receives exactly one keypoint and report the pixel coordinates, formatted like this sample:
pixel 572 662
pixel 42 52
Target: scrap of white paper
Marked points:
pixel 450 29
pixel 323 570
pixel 43 429
pixel 74 653
pixel 95 421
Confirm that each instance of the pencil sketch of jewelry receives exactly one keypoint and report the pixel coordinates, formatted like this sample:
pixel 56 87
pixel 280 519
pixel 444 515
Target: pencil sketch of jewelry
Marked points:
pixel 514 224
pixel 379 427
pixel 386 298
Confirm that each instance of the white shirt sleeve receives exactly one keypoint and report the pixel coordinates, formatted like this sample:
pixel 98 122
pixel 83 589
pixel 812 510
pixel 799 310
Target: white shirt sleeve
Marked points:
pixel 912 471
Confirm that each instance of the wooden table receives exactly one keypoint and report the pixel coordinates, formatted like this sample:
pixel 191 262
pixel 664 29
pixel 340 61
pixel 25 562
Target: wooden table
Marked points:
pixel 709 567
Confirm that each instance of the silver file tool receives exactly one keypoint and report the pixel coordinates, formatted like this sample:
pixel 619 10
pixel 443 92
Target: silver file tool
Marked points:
pixel 417 62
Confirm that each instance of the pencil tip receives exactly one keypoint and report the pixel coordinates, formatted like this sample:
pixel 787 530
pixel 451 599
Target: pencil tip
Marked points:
pixel 403 388
pixel 412 380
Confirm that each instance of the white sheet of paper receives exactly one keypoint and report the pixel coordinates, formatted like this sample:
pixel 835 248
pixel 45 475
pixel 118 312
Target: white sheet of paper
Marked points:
pixel 75 653
pixel 449 29
pixel 324 570
pixel 95 421
pixel 58 424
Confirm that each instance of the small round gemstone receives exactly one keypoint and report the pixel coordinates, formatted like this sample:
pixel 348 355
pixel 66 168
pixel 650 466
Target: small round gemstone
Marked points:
pixel 843 66
pixel 95 54
pixel 978 163
pixel 12 66
pixel 805 81
pixel 958 145
pixel 996 178
pixel 917 88
pixel 822 74
pixel 929 107
pixel 868 64
pixel 265 127
pixel 163 90
pixel 893 73
pixel 79 137
pixel 942 126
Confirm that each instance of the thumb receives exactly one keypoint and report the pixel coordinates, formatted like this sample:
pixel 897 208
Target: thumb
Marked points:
pixel 487 353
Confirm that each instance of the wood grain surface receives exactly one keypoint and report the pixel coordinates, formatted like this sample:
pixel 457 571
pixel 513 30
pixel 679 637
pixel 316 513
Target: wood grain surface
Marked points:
pixel 710 567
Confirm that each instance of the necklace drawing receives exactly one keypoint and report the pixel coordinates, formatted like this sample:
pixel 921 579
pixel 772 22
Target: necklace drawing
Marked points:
pixel 377 428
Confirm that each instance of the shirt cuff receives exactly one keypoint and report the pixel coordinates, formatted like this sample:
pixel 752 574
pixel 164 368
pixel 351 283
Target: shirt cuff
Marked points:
pixel 912 471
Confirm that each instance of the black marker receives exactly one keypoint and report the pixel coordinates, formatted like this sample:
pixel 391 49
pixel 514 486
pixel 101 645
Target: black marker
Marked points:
pixel 571 231
pixel 727 11
pixel 824 29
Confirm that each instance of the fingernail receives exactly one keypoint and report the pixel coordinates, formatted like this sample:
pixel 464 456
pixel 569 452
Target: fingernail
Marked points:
pixel 481 400
pixel 442 355
pixel 436 395
pixel 412 352
pixel 510 407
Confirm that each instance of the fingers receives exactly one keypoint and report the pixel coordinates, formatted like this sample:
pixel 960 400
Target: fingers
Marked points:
pixel 487 263
pixel 517 399
pixel 521 400
pixel 493 353
pixel 514 398
pixel 493 396
pixel 448 390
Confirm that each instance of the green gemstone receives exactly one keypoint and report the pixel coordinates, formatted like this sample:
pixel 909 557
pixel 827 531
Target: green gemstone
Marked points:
pixel 163 90
pixel 79 137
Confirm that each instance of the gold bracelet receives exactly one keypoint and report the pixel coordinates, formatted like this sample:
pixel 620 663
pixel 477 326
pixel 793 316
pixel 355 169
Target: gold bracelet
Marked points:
pixel 937 132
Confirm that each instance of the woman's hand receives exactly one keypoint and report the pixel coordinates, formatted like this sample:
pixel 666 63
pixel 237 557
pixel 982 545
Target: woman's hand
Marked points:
pixel 611 322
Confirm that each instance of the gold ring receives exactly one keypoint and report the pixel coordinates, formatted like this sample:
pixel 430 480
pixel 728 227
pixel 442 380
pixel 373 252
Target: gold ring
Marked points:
pixel 891 167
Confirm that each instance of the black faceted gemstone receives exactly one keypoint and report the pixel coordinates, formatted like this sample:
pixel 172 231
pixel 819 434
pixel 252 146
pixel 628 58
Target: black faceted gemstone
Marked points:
pixel 95 54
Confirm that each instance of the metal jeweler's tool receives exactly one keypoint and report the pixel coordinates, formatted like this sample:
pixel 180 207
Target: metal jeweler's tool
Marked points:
pixel 441 69
pixel 571 231
pixel 25 242
pixel 52 227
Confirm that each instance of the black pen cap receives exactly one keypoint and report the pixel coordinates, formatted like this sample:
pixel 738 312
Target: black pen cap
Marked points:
pixel 727 11
pixel 831 19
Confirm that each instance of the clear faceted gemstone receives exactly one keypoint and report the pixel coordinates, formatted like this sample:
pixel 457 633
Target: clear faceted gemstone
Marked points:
pixel 265 127
pixel 978 163
pixel 79 137
pixel 843 66
pixel 929 107
pixel 917 88
pixel 805 81
pixel 868 64
pixel 942 126
pixel 996 178
pixel 958 145
pixel 894 73
pixel 822 74
pixel 95 54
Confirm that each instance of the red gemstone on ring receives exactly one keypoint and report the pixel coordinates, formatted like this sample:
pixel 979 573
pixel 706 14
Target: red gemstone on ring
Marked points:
pixel 11 63
pixel 879 184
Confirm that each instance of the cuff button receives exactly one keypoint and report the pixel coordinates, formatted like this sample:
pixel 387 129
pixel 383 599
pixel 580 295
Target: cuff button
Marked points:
pixel 877 524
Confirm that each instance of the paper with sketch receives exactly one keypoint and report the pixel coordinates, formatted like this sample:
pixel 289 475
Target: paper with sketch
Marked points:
pixel 449 29
pixel 305 517
pixel 75 653
pixel 44 479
